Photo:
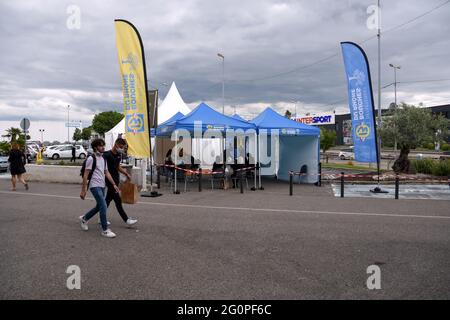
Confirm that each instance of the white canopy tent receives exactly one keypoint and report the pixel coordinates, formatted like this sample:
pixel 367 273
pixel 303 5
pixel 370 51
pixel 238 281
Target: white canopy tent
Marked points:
pixel 172 104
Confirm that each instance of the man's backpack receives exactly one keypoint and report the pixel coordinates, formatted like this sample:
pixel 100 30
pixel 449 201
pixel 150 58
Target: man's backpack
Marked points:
pixel 83 168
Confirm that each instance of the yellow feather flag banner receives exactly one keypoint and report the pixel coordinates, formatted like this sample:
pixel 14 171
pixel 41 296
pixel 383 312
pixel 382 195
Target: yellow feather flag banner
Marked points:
pixel 134 86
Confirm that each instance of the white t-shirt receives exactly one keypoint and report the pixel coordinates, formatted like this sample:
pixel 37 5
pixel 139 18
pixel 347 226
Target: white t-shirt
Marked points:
pixel 98 176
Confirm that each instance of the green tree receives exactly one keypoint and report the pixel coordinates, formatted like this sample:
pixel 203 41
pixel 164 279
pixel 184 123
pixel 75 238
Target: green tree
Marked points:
pixel 105 121
pixel 4 147
pixel 77 135
pixel 410 127
pixel 439 125
pixel 13 134
pixel 288 114
pixel 86 133
pixel 327 140
pixel 16 135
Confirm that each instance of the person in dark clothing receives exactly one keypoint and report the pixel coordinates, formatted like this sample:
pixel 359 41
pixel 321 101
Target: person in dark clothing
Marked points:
pixel 113 159
pixel 217 165
pixel 73 153
pixel 168 161
pixel 17 166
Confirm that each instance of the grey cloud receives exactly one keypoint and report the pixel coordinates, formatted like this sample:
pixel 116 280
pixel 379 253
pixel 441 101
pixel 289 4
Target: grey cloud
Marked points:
pixel 182 39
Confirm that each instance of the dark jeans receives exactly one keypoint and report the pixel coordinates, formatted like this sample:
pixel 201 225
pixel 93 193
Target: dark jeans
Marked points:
pixel 113 195
pixel 99 195
pixel 73 158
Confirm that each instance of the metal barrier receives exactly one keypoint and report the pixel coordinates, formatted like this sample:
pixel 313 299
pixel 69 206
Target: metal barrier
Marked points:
pixel 342 176
pixel 200 173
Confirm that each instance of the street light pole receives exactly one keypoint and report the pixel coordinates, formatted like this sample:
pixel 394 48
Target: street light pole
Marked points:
pixel 223 81
pixel 395 101
pixel 42 134
pixel 295 107
pixel 68 107
pixel 395 81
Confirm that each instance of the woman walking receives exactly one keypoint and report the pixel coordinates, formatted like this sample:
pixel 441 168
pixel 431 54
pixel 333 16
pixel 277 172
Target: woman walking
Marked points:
pixel 17 166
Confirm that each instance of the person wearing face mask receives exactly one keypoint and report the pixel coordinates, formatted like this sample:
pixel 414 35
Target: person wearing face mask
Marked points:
pixel 113 159
pixel 95 172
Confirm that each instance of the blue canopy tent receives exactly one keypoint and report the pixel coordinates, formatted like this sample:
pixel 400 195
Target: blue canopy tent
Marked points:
pixel 209 118
pixel 211 124
pixel 213 127
pixel 297 145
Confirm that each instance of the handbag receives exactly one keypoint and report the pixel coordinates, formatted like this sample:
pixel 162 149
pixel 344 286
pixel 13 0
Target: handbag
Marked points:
pixel 129 193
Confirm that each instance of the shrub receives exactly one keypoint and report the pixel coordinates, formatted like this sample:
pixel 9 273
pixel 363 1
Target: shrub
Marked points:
pixel 441 168
pixel 423 165
pixel 429 166
pixel 429 146
pixel 445 147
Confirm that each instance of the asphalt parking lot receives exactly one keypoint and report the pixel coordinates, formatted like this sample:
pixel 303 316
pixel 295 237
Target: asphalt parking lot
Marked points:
pixel 225 245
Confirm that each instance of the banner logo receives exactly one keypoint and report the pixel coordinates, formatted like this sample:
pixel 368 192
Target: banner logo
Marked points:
pixel 131 59
pixel 135 122
pixel 289 131
pixel 362 131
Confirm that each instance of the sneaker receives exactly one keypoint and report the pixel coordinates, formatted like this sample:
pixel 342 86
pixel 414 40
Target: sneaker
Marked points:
pixel 108 234
pixel 84 225
pixel 130 221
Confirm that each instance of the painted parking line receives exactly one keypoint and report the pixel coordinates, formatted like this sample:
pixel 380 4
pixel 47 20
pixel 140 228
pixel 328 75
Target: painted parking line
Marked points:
pixel 392 215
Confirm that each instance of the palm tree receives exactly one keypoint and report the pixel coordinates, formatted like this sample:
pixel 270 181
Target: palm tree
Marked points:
pixel 13 133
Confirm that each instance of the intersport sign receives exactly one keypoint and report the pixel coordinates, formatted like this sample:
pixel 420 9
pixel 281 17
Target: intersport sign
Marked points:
pixel 317 119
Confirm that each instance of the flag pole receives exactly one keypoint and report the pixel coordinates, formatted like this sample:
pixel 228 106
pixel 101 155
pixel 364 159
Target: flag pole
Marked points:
pixel 377 189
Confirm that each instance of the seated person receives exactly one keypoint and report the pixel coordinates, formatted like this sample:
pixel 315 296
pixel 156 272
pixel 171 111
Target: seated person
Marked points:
pixel 168 161
pixel 194 164
pixel 217 165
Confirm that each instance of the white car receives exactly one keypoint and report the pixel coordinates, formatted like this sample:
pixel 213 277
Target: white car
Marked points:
pixel 4 164
pixel 347 154
pixel 66 152
pixel 54 147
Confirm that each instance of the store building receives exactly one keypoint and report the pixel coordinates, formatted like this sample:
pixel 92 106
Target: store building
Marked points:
pixel 342 123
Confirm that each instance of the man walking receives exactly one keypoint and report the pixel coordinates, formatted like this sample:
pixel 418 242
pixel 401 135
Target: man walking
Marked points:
pixel 113 159
pixel 73 153
pixel 96 170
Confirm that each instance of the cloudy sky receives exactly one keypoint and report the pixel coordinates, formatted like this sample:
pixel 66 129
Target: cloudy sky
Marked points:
pixel 275 52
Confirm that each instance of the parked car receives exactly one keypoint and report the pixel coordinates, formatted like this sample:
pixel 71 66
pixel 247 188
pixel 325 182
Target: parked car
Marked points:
pixel 4 163
pixel 445 155
pixel 66 152
pixel 347 154
pixel 54 147
pixel 31 153
pixel 388 156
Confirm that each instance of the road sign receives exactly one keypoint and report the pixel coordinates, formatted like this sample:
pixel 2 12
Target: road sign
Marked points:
pixel 73 124
pixel 25 124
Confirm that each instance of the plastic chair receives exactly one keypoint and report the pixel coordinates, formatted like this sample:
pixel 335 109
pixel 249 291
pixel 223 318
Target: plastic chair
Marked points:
pixel 303 170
